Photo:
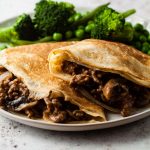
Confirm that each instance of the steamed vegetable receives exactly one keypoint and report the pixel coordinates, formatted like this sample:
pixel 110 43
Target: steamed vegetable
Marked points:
pixel 141 38
pixel 23 28
pixel 110 25
pixel 51 17
pixel 57 21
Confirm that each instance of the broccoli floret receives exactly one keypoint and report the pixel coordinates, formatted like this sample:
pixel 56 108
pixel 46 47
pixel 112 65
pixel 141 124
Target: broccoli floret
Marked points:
pixel 110 25
pixel 22 29
pixel 52 17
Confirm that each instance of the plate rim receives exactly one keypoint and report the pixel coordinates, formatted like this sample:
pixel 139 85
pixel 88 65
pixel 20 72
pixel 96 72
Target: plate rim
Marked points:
pixel 73 127
pixel 23 117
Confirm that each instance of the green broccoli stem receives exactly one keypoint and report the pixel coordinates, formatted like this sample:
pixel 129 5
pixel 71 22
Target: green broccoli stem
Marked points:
pixel 6 34
pixel 16 42
pixel 89 16
pixel 127 13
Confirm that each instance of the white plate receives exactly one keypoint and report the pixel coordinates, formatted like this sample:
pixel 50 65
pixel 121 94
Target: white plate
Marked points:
pixel 113 119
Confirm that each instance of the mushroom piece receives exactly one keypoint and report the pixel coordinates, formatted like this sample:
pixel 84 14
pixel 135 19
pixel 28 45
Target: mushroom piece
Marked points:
pixel 115 90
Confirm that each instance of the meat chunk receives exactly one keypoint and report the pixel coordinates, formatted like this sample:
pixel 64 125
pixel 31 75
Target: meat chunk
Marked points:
pixel 97 76
pixel 81 79
pixel 115 90
pixel 13 91
pixel 5 78
pixel 72 68
pixel 142 98
pixel 17 89
pixel 59 116
pixel 61 111
pixel 68 67
pixel 127 105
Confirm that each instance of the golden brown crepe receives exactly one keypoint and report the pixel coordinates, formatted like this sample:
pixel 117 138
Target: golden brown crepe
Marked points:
pixel 128 68
pixel 30 65
pixel 106 56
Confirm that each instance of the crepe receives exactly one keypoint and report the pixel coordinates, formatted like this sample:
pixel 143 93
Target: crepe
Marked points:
pixel 119 67
pixel 106 56
pixel 30 65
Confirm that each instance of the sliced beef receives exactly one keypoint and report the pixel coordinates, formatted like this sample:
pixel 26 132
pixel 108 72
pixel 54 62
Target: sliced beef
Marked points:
pixel 110 88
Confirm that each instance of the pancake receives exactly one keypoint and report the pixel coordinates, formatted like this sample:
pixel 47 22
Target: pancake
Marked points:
pixel 26 86
pixel 112 75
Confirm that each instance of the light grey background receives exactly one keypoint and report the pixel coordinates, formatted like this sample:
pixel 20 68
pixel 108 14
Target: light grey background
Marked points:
pixel 135 136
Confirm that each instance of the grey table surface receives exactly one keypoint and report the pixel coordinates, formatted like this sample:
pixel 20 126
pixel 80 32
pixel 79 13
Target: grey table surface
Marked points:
pixel 135 136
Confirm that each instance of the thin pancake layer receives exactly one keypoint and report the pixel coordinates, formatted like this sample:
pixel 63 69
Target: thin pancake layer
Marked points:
pixel 105 56
pixel 29 63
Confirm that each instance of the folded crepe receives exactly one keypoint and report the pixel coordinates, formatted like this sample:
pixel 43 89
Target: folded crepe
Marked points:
pixel 112 75
pixel 26 86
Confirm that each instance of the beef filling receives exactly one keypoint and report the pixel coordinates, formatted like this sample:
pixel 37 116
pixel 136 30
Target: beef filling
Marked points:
pixel 64 111
pixel 14 94
pixel 110 88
